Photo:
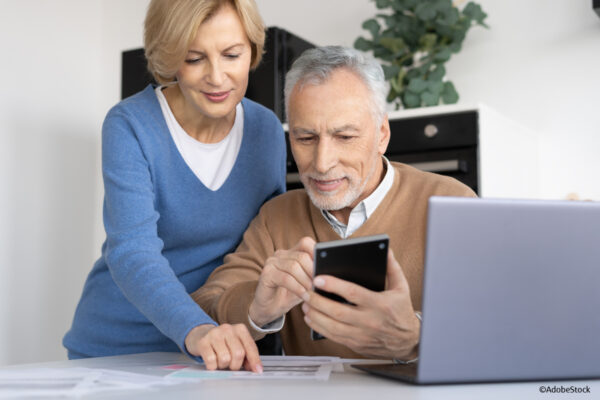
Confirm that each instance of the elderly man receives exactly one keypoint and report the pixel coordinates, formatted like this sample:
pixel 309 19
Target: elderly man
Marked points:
pixel 338 127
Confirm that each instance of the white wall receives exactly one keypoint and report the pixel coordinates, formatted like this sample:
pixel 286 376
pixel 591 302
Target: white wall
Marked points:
pixel 538 65
pixel 49 132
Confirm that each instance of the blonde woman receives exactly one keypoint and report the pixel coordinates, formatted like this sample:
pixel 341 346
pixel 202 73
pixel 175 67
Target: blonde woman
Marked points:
pixel 186 166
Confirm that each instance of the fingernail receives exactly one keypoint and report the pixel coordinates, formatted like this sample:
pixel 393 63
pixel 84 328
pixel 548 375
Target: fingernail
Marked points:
pixel 305 307
pixel 306 319
pixel 305 296
pixel 319 282
pixel 259 369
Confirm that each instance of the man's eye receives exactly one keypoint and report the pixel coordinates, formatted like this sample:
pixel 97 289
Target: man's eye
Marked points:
pixel 304 139
pixel 345 137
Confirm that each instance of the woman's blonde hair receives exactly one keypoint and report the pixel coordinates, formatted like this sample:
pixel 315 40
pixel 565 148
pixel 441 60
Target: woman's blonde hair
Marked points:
pixel 171 26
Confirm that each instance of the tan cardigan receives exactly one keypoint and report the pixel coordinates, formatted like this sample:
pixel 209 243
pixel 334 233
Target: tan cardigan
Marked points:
pixel 282 221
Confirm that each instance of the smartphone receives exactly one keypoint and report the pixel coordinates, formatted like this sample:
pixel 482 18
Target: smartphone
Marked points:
pixel 361 260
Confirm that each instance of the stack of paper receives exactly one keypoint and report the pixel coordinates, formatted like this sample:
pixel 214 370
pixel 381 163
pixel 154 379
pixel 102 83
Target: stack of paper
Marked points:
pixel 71 382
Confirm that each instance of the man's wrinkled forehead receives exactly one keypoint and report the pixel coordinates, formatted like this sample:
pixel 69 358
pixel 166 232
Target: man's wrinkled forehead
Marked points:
pixel 342 87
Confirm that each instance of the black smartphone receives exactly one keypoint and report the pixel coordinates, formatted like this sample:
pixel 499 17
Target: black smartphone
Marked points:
pixel 361 260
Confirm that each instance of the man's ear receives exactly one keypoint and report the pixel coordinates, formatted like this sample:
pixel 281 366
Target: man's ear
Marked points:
pixel 384 135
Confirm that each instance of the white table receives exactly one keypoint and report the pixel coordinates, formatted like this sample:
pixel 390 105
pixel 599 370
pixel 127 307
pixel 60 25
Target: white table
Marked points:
pixel 349 385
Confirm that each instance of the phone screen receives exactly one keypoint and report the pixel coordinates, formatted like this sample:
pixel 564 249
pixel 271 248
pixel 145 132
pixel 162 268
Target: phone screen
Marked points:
pixel 361 260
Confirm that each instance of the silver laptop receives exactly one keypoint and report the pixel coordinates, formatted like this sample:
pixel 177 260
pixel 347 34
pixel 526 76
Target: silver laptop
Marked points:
pixel 511 293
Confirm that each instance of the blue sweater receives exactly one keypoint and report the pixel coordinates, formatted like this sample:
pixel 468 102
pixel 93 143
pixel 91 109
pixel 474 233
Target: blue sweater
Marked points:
pixel 165 231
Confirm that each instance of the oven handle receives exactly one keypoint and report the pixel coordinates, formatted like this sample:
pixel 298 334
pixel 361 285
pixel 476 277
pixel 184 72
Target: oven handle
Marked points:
pixel 441 166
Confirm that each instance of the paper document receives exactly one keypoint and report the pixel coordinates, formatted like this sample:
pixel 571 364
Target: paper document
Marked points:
pixel 274 367
pixel 71 382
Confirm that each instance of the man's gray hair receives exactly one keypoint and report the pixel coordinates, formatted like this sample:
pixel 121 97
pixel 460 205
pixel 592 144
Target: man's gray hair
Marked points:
pixel 315 66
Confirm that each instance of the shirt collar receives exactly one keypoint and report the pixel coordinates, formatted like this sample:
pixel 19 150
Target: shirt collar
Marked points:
pixel 365 208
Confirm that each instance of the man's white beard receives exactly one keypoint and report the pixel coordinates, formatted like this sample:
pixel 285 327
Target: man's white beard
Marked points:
pixel 328 200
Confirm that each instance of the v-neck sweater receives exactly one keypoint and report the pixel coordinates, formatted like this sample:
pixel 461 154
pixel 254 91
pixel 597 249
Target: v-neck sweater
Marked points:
pixel 166 231
pixel 284 220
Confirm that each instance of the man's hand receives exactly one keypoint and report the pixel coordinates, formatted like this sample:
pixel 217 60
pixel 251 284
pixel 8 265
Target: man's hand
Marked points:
pixel 380 324
pixel 286 276
pixel 224 346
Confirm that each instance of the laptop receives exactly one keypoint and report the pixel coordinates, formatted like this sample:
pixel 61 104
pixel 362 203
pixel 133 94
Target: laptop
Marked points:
pixel 511 293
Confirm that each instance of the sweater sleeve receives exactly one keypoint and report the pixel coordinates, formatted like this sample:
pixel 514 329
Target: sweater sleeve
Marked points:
pixel 229 290
pixel 134 249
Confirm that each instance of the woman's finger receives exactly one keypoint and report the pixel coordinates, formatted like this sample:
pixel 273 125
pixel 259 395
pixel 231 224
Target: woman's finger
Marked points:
pixel 252 357
pixel 236 351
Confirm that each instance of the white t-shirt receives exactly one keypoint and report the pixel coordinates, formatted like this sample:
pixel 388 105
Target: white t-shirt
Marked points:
pixel 210 162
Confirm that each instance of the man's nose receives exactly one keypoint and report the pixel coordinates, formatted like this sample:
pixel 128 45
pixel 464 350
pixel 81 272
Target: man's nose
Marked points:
pixel 325 156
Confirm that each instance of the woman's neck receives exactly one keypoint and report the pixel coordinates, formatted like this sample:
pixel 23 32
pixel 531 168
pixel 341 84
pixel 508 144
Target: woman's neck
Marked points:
pixel 198 126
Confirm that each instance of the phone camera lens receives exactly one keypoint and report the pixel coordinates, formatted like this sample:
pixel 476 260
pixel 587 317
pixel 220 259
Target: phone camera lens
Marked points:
pixel 381 246
pixel 323 254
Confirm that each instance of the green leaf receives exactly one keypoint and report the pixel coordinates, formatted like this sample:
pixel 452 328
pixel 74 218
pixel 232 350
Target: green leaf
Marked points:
pixel 449 17
pixel 443 55
pixel 413 73
pixel 435 87
pixel 372 26
pixel 395 45
pixel 458 35
pixel 389 20
pixel 438 73
pixel 410 29
pixel 390 71
pixel 449 94
pixel 455 47
pixel 416 85
pixel 383 3
pixel 411 100
pixel 475 12
pixel 427 41
pixel 425 11
pixel 391 95
pixel 363 44
pixel 442 5
pixel 430 99
pixel 383 54
pixel 405 4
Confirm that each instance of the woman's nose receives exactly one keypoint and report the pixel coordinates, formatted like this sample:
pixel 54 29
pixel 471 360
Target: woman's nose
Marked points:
pixel 216 75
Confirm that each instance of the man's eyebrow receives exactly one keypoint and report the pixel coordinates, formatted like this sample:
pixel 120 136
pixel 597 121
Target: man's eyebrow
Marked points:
pixel 303 131
pixel 344 128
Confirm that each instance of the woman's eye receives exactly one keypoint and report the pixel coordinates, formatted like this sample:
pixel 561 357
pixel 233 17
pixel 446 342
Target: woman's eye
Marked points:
pixel 193 60
pixel 232 56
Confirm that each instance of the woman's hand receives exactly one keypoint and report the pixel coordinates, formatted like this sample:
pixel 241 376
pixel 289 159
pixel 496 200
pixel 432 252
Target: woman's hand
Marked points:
pixel 224 346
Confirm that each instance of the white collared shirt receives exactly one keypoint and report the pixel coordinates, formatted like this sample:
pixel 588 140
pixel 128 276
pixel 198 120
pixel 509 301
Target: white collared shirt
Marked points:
pixel 364 209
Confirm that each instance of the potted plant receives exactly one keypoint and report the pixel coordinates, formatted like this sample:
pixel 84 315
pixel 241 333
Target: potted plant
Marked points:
pixel 414 39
